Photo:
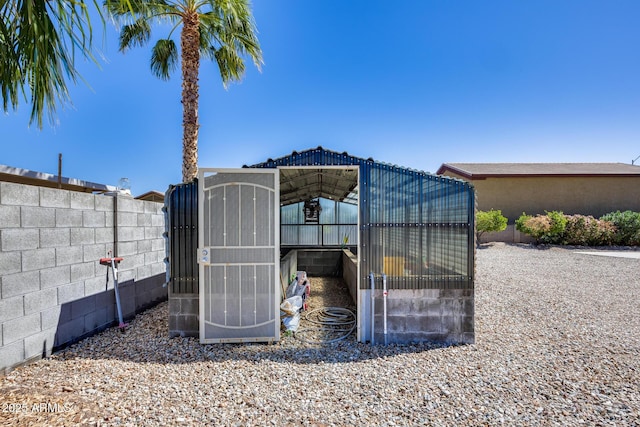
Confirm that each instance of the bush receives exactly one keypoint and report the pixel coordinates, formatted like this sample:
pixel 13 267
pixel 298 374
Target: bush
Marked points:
pixel 548 228
pixel 627 226
pixel 489 221
pixel 588 231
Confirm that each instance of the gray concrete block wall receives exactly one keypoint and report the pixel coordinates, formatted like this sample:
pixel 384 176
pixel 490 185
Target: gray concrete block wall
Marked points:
pixel 320 262
pixel 437 315
pixel 53 290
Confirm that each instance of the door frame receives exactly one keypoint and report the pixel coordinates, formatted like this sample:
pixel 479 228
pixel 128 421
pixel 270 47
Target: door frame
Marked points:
pixel 203 259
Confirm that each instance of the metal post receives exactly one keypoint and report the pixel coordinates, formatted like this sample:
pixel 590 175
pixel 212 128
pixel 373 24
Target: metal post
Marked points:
pixel 373 306
pixel 384 305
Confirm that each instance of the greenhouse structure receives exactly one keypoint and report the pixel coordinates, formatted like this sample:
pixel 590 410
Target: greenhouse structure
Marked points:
pixel 402 240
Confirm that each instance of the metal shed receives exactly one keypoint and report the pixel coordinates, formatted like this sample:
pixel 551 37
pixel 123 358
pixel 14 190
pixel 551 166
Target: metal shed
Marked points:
pixel 413 255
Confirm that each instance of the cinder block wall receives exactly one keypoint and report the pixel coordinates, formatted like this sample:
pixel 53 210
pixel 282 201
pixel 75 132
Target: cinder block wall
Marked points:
pixel 438 315
pixel 320 262
pixel 53 290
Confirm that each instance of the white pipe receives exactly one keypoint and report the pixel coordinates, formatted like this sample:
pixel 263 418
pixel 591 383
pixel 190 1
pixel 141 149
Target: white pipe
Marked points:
pixel 384 305
pixel 373 306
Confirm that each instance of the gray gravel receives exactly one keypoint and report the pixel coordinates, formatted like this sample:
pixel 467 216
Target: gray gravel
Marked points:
pixel 557 343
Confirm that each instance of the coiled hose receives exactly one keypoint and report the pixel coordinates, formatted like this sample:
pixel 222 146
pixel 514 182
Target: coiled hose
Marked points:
pixel 330 321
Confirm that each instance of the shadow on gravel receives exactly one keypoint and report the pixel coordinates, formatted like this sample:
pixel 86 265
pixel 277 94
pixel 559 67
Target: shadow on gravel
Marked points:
pixel 146 341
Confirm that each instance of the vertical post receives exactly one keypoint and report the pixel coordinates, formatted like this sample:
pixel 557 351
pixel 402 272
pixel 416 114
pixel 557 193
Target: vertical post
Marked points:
pixel 373 306
pixel 59 170
pixel 384 306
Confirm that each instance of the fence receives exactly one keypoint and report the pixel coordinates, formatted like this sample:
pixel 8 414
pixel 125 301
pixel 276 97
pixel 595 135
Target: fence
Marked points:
pixel 53 289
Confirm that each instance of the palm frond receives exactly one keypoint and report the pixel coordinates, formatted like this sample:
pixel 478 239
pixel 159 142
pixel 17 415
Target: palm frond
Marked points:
pixel 230 64
pixel 136 34
pixel 164 58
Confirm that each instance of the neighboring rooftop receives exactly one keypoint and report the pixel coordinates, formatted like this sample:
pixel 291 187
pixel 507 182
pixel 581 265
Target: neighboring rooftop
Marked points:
pixel 41 179
pixel 486 170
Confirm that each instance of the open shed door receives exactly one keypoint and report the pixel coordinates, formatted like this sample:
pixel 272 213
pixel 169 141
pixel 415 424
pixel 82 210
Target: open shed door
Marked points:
pixel 238 255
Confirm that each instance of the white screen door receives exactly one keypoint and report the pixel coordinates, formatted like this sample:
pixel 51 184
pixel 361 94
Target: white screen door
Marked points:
pixel 238 255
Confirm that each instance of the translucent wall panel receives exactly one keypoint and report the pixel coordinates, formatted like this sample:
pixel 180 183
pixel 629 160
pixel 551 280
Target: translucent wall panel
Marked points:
pixel 338 225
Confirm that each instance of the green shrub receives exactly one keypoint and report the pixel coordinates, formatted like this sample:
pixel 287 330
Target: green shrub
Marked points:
pixel 489 221
pixel 588 231
pixel 548 228
pixel 627 225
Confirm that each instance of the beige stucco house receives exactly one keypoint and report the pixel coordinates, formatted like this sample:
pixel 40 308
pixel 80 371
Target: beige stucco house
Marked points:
pixel 573 188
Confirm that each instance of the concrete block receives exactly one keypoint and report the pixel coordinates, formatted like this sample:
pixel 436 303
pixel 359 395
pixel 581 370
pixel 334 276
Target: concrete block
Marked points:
pixel 69 332
pixel 38 259
pixel 127 204
pixel 93 219
pixel 157 220
pixel 152 207
pixel 133 261
pixel 36 302
pixel 10 216
pixel 153 232
pixel 82 236
pixel 126 275
pixel 68 255
pixel 11 355
pixel 144 220
pixel 65 313
pixel 150 258
pixel 54 198
pixel 144 246
pixel 68 218
pixel 188 324
pixel 158 268
pixel 19 239
pixel 126 249
pixel 423 324
pixel 20 284
pixel 56 276
pixel 104 235
pixel 84 271
pixel 426 307
pixel 83 306
pixel 105 299
pixel 32 216
pixel 19 194
pixel 95 319
pixel 11 308
pixel 130 234
pixel 54 237
pixel 40 344
pixel 50 317
pixel 103 203
pixel 94 252
pixel 10 262
pixel 95 285
pixel 16 329
pixel 81 201
pixel 452 324
pixel 108 219
pixel 127 219
pixel 158 244
pixel 70 292
pixel 143 272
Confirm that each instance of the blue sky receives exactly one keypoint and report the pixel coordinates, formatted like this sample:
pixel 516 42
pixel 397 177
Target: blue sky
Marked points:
pixel 416 83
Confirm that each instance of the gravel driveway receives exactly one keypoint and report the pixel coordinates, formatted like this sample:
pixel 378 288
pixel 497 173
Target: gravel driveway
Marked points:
pixel 557 343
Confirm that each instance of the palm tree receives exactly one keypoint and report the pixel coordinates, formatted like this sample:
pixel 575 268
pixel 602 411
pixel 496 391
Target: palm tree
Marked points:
pixel 220 30
pixel 38 43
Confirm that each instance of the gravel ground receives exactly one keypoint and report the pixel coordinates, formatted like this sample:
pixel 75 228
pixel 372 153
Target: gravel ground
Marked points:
pixel 557 343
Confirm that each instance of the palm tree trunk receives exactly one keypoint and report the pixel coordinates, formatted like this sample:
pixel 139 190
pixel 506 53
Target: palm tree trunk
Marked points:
pixel 190 45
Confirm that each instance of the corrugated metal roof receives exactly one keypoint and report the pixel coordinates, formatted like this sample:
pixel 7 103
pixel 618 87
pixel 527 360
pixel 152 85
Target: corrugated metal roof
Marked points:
pixel 484 170
pixel 338 184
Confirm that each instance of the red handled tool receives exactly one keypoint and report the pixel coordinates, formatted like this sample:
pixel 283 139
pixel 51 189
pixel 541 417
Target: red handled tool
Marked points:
pixel 113 263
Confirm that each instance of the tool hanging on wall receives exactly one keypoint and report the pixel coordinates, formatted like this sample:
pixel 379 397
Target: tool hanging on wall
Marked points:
pixel 113 263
